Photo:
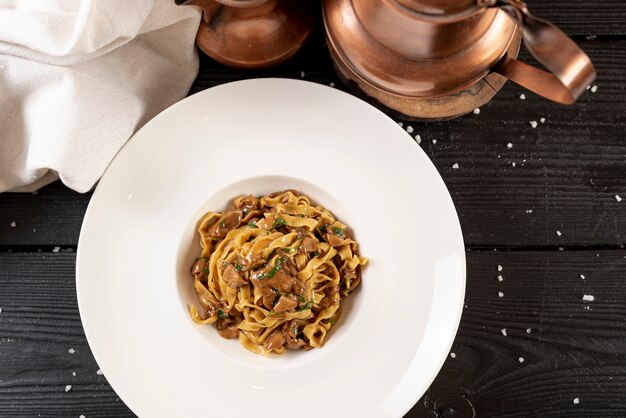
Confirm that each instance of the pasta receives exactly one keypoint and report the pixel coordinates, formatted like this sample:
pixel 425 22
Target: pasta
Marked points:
pixel 273 272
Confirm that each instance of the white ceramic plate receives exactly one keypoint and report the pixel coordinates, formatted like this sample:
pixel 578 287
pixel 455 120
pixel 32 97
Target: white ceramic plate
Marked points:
pixel 257 136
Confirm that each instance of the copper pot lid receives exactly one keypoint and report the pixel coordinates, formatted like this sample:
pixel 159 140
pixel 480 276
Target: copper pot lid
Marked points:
pixel 440 7
pixel 405 76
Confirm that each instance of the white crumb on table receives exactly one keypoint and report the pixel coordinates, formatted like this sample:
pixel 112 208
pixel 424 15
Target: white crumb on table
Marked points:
pixel 594 89
pixel 74 374
pixel 533 123
pixel 528 330
pixel 434 141
pixel 418 139
pixel 81 416
pixel 500 294
pixel 529 211
pixel 0 310
pixel 503 331
pixel 588 298
pixel 400 124
pixel 582 276
pixel 513 164
pixel 618 198
pixel 56 249
pixel 500 267
pixel 521 359
pixel 576 401
pixel 522 96
pixel 455 165
pixel 71 351
pixel 409 129
pixel 542 120
pixel 13 224
pixel 559 233
pixel 332 84
pixel 302 74
pixel 476 111
pixel 561 249
pixel 500 278
pixel 509 145
pixel 68 388
pixel 452 355
pixel 99 372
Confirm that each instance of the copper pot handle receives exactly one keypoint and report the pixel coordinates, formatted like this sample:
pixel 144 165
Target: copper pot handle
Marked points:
pixel 570 69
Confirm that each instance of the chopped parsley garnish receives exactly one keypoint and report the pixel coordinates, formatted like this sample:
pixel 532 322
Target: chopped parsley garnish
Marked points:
pixel 204 259
pixel 275 269
pixel 238 266
pixel 304 308
pixel 287 249
pixel 278 223
pixel 316 253
pixel 276 298
pixel 222 224
pixel 224 263
pixel 294 329
pixel 206 271
pixel 222 314
pixel 330 320
pixel 338 231
pixel 301 299
pixel 322 229
pixel 260 276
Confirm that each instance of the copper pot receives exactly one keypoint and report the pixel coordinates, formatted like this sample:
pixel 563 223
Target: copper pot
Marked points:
pixel 253 33
pixel 436 59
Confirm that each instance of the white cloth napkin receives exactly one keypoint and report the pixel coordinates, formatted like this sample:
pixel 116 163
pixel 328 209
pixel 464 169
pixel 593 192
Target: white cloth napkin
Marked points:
pixel 79 77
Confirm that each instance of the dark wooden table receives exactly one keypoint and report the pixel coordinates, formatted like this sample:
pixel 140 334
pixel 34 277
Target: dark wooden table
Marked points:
pixel 546 211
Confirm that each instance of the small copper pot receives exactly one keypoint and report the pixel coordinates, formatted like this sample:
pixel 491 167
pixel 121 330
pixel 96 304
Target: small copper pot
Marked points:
pixel 253 33
pixel 437 59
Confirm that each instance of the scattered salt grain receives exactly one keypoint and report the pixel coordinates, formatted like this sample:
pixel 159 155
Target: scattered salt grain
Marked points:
pixel 513 164
pixel 558 233
pixel 56 249
pixel 99 372
pixel 561 249
pixel 409 129
pixel 618 198
pixel 521 359
pixel 500 294
pixel 455 165
pixel 500 267
pixel 522 96
pixel 500 278
pixel 503 331
pixel 533 123
pixel 529 211
pixel 434 141
pixel 542 120
pixel 452 355
pixel 332 84
pixel 71 351
pixel 0 310
pixel 82 416
pixel 418 139
pixel 13 224
pixel 594 89
pixel 528 330
pixel 576 401
pixel 582 276
pixel 509 145
pixel 588 298
pixel 477 111
pixel 302 74
pixel 68 388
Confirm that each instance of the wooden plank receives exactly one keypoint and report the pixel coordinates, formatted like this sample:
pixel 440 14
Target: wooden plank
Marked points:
pixel 580 17
pixel 575 349
pixel 568 170
pixel 42 344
